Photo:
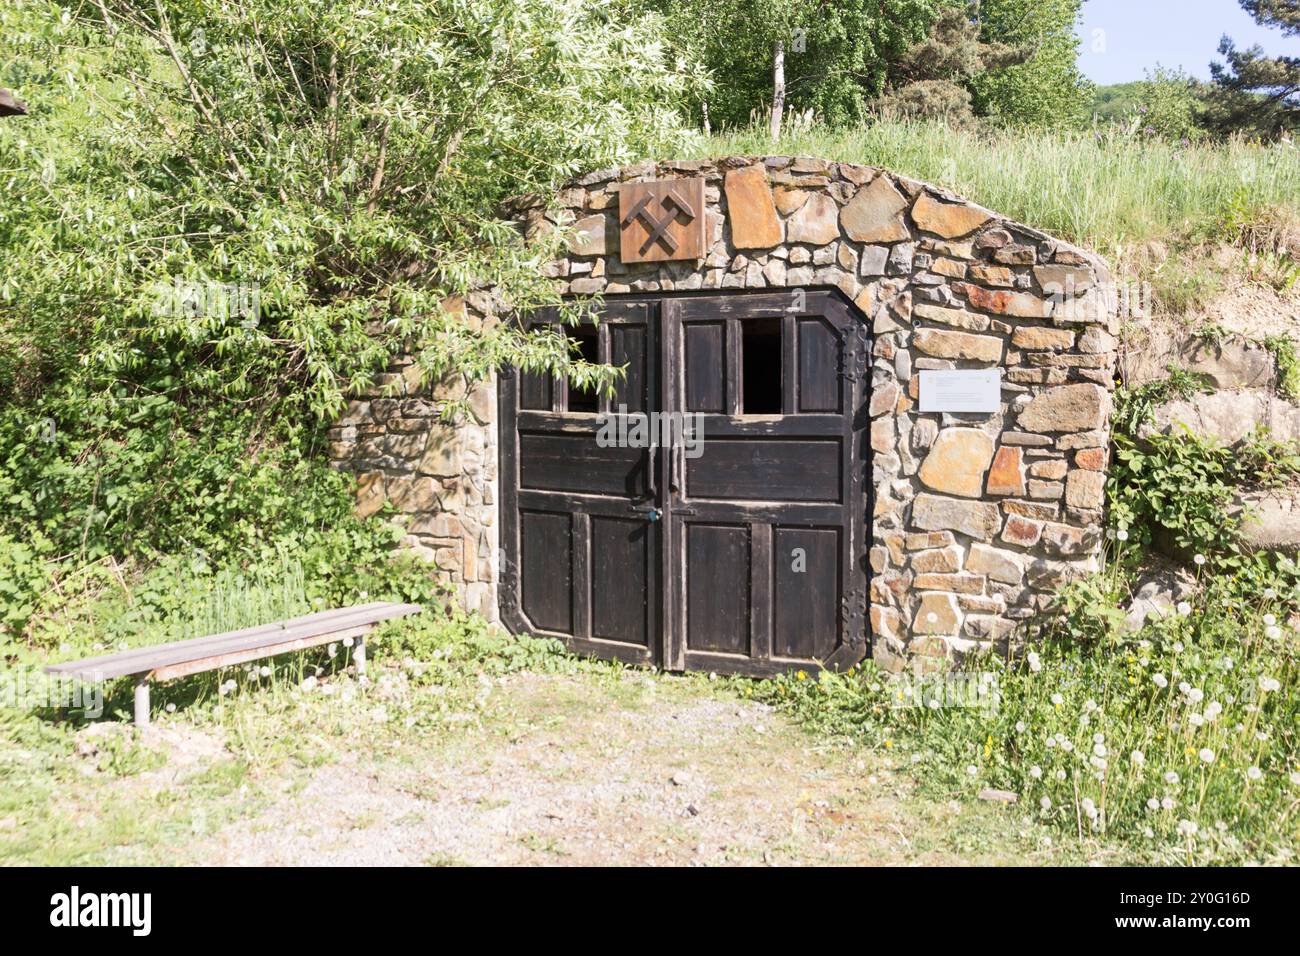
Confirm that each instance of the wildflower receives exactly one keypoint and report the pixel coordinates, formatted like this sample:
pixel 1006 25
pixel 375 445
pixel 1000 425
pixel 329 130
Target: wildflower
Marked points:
pixel 1057 700
pixel 1153 804
pixel 1036 772
pixel 1089 808
pixel 1100 764
pixel 1199 559
pixel 1122 534
pixel 1184 609
pixel 972 770
pixel 1067 746
pixel 264 671
pixel 1089 705
pixel 1138 758
pixel 1206 754
pixel 1051 742
pixel 333 649
pixel 1187 828
pixel 170 708
pixel 1268 683
pixel 1020 726
pixel 1060 775
pixel 1099 750
pixel 1160 680
pixel 1167 803
pixel 308 684
pixel 1269 594
pixel 1045 803
pixel 1148 832
pixel 1253 773
pixel 1295 778
pixel 1196 695
pixel 1213 709
pixel 347 642
pixel 1273 633
pixel 1178 647
pixel 1097 738
pixel 1035 664
pixel 1269 620
pixel 1171 777
pixel 1196 720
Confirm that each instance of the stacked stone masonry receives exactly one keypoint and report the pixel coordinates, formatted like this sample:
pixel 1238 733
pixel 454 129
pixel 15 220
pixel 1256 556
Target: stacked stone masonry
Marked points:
pixel 977 518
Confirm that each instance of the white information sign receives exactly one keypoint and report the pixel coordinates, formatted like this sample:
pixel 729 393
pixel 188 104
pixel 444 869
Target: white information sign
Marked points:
pixel 964 390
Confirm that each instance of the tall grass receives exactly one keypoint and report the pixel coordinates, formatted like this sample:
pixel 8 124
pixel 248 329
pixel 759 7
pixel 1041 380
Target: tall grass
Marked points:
pixel 1104 190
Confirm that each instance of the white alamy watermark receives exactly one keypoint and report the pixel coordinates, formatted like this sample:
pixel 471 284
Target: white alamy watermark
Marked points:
pixel 75 908
pixel 22 690
pixel 624 429
pixel 973 690
pixel 225 301
pixel 1072 302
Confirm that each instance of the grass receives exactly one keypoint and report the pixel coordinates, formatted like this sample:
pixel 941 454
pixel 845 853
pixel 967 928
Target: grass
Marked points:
pixel 223 763
pixel 1104 190
pixel 1133 199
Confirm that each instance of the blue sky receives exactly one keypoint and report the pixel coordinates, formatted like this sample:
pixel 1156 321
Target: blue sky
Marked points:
pixel 1123 38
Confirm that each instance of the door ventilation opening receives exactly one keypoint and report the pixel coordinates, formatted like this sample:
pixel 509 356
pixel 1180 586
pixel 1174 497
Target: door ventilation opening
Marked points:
pixel 581 400
pixel 760 352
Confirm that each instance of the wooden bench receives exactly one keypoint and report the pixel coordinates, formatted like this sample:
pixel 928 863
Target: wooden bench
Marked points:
pixel 196 655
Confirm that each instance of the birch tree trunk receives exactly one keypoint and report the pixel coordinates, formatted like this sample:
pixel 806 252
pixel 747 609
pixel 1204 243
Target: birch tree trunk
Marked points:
pixel 778 88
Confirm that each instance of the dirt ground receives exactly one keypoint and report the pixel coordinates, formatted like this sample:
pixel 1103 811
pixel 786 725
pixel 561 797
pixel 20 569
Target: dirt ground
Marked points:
pixel 569 771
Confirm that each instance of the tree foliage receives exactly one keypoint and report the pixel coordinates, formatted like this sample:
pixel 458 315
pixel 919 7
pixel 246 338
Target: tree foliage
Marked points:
pixel 1253 92
pixel 1046 89
pixel 933 78
pixel 837 54
pixel 341 166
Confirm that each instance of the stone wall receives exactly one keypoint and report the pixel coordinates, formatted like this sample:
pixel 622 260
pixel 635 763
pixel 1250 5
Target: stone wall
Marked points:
pixel 978 518
pixel 440 478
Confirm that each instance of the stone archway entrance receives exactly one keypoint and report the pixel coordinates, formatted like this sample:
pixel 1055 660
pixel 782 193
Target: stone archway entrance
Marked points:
pixel 984 405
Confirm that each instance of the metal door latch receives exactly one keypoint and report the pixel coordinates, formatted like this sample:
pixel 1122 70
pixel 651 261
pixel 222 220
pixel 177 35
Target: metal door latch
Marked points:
pixel 651 514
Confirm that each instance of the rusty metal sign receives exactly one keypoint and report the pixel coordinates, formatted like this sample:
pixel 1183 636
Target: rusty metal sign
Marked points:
pixel 661 220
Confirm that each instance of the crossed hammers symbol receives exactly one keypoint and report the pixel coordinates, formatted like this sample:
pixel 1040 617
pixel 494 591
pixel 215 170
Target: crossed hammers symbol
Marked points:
pixel 658 228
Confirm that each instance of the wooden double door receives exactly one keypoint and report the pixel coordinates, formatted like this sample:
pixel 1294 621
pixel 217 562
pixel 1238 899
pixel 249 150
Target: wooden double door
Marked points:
pixel 727 535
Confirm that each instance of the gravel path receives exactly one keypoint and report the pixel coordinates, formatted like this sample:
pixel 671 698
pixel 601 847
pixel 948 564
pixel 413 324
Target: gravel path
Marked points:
pixel 577 771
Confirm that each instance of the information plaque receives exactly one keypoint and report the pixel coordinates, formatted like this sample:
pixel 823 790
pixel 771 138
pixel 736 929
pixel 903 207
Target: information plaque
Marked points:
pixel 961 390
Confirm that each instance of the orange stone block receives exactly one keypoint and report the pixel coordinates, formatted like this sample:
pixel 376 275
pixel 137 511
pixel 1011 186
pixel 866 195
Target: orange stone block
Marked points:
pixel 1093 459
pixel 1006 476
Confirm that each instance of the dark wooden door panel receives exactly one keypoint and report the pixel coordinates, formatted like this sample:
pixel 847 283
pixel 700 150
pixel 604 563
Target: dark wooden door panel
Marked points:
pixel 806 592
pixel 756 469
pixel 780 475
pixel 579 559
pixel 620 580
pixel 819 366
pixel 576 463
pixel 756 562
pixel 547 544
pixel 705 366
pixel 717 573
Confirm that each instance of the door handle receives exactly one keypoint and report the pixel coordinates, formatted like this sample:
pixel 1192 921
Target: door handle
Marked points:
pixel 652 485
pixel 651 514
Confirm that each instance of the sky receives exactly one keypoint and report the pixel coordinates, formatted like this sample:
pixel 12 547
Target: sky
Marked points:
pixel 1122 39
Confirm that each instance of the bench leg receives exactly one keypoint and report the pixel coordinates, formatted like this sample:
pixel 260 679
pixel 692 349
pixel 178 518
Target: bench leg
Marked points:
pixel 142 702
pixel 359 656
